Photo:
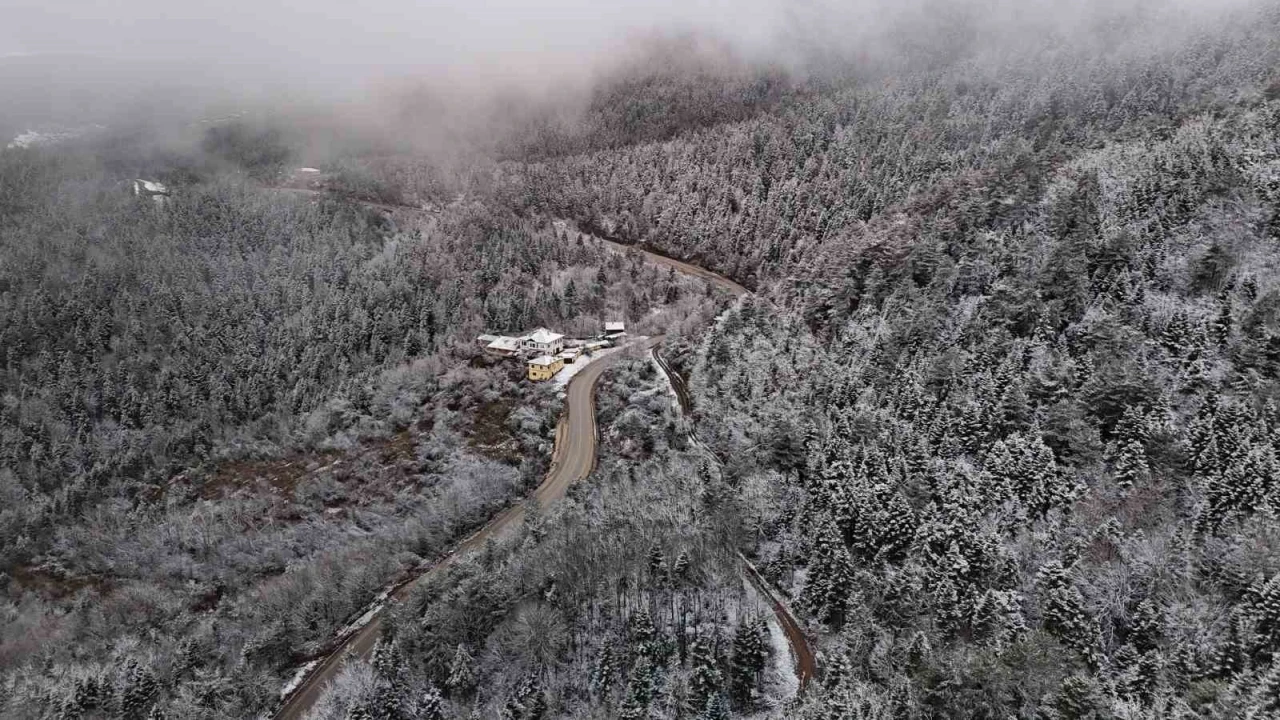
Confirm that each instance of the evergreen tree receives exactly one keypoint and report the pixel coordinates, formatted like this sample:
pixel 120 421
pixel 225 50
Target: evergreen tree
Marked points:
pixel 430 705
pixel 1131 465
pixel 1065 614
pixel 138 690
pixel 1266 700
pixel 657 563
pixel 639 691
pixel 749 656
pixel 717 708
pixel 829 591
pixel 704 679
pixel 462 673
pixel 680 568
pixel 605 672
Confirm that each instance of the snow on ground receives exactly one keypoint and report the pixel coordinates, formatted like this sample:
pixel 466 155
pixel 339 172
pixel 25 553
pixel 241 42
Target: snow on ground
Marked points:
pixel 374 608
pixel 563 377
pixel 297 678
pixel 37 138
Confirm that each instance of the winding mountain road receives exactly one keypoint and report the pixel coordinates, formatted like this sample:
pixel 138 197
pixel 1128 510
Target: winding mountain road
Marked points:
pixel 573 459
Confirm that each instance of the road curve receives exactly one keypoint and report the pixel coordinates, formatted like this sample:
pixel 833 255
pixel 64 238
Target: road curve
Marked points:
pixel 573 458
pixel 680 266
pixel 801 649
pixel 658 258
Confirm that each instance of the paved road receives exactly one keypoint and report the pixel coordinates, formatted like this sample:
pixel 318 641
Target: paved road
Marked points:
pixel 573 459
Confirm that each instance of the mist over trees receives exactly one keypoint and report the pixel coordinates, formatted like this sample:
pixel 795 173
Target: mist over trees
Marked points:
pixel 998 420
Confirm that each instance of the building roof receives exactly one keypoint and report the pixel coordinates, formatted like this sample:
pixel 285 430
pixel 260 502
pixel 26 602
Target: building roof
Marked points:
pixel 543 360
pixel 615 326
pixel 150 187
pixel 487 338
pixel 544 336
pixel 505 343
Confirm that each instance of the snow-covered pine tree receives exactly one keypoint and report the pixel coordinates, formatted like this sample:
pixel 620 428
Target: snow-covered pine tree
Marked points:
pixel 462 673
pixel 747 665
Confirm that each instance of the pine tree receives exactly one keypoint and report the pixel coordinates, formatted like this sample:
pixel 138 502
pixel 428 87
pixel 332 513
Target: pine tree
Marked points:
pixel 644 635
pixel 386 703
pixel 528 702
pixel 1065 615
pixel 1223 324
pixel 1078 699
pixel 829 591
pixel 1132 427
pixel 639 691
pixel 717 708
pixel 390 665
pixel 138 689
pixel 1145 626
pixel 1176 336
pixel 1265 610
pixel 749 655
pixel 1266 699
pixel 704 679
pixel 680 568
pixel 1131 465
pixel 605 672
pixel 462 673
pixel 430 705
pixel 1232 657
pixel 657 563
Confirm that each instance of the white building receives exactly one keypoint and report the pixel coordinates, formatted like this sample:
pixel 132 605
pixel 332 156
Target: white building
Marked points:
pixel 543 342
pixel 615 327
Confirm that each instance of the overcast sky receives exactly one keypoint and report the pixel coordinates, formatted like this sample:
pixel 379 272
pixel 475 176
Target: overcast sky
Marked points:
pixel 354 37
pixel 349 49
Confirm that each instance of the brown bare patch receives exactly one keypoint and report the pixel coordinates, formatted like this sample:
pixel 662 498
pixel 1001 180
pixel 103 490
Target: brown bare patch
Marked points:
pixel 53 585
pixel 284 474
pixel 489 435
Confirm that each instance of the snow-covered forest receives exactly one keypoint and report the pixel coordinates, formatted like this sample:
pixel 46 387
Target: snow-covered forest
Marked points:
pixel 999 418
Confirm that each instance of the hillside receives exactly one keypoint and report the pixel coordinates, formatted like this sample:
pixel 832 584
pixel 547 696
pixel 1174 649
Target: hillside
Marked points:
pixel 989 396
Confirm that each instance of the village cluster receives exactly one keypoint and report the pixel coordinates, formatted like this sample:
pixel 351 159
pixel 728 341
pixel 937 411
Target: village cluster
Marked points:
pixel 546 352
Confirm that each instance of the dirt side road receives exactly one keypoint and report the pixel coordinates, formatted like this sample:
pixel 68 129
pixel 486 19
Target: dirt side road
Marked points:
pixel 680 266
pixel 801 649
pixel 573 459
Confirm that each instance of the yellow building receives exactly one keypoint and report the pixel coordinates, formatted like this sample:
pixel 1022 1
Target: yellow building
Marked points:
pixel 544 367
